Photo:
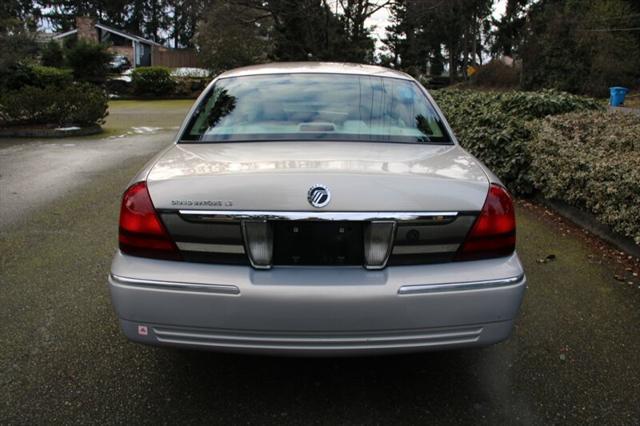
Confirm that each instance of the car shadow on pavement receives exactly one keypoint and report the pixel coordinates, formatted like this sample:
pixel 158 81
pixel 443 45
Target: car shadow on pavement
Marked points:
pixel 441 385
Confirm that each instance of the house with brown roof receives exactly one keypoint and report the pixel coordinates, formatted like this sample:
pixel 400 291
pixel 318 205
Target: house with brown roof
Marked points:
pixel 141 52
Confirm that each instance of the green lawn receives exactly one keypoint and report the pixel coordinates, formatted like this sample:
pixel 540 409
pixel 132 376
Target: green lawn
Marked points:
pixel 125 116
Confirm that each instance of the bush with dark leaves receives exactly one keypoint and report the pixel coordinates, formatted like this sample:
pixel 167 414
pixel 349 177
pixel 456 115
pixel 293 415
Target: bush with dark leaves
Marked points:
pixel 72 105
pixel 152 81
pixel 591 161
pixel 493 126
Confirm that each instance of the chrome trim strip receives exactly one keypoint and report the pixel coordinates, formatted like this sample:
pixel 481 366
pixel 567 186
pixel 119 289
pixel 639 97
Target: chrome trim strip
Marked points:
pixel 468 285
pixel 211 248
pixel 171 285
pixel 310 348
pixel 233 215
pixel 426 248
pixel 215 339
pixel 247 338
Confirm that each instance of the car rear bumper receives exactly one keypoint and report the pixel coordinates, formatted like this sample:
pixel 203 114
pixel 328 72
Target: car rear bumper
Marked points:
pixel 316 311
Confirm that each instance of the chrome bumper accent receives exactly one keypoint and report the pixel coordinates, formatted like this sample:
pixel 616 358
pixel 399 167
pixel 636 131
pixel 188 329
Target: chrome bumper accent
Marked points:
pixel 469 285
pixel 171 285
pixel 344 343
pixel 230 215
pixel 397 339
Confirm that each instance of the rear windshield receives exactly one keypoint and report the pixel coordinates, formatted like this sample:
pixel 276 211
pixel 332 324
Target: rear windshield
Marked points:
pixel 307 107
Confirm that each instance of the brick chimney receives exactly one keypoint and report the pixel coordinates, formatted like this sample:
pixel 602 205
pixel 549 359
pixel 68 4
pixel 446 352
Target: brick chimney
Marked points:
pixel 86 28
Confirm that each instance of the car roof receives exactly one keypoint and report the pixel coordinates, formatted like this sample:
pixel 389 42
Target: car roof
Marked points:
pixel 315 67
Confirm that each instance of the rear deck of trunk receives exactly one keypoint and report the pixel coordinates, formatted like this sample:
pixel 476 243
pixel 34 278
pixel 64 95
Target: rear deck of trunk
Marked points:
pixel 427 196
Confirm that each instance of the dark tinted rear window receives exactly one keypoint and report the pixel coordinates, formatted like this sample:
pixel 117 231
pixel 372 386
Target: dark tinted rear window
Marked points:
pixel 315 107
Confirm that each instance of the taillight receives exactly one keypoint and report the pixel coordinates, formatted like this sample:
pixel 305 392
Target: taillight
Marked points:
pixel 494 232
pixel 141 231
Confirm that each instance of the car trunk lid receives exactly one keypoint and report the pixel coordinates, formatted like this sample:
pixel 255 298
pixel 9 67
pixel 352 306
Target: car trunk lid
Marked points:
pixel 248 203
pixel 277 176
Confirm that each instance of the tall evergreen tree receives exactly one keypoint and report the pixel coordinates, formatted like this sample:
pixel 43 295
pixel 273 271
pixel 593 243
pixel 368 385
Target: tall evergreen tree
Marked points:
pixel 183 21
pixel 581 46
pixel 422 30
pixel 300 30
pixel 18 19
pixel 241 39
pixel 509 29
pixel 353 15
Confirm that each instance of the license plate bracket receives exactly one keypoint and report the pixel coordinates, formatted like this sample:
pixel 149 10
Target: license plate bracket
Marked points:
pixel 314 243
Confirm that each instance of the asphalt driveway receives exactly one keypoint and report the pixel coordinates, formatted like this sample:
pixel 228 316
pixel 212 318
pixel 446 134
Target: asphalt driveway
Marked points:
pixel 35 172
pixel 574 356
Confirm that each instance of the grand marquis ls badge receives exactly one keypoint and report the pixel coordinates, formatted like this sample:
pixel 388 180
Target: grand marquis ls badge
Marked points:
pixel 319 196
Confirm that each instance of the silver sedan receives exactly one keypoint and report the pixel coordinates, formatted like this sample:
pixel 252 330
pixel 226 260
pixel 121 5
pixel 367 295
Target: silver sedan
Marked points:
pixel 321 209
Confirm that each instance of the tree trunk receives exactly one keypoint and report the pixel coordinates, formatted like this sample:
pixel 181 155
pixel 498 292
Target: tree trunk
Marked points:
pixel 453 64
pixel 176 27
pixel 474 40
pixel 465 55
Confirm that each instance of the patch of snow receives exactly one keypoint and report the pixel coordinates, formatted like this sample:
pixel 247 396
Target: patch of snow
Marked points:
pixel 190 72
pixel 144 129
pixel 67 129
pixel 125 76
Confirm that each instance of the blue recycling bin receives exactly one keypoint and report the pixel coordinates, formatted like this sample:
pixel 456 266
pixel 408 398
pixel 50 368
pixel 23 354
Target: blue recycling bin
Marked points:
pixel 617 95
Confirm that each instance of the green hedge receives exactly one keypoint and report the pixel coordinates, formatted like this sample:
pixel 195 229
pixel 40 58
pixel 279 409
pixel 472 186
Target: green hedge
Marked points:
pixel 50 76
pixel 564 146
pixel 21 75
pixel 152 81
pixel 190 87
pixel 592 161
pixel 182 87
pixel 71 105
pixel 492 126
